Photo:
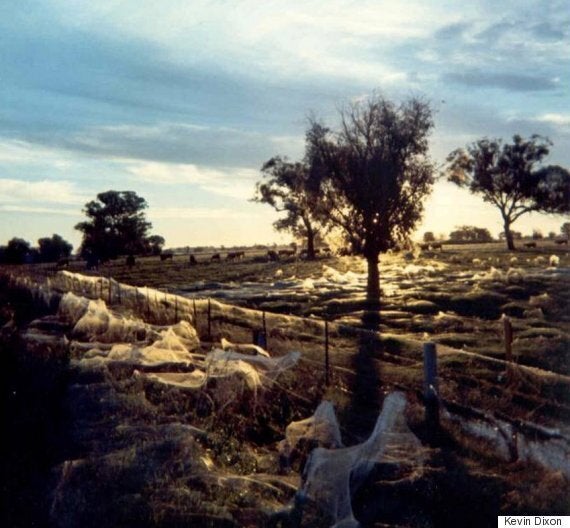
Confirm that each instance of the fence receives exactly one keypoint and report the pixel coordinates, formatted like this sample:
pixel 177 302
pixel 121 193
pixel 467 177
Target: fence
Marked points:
pixel 213 320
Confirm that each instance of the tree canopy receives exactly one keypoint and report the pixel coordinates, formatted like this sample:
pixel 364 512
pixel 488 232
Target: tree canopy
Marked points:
pixel 470 234
pixel 288 188
pixel 374 173
pixel 116 225
pixel 53 249
pixel 510 176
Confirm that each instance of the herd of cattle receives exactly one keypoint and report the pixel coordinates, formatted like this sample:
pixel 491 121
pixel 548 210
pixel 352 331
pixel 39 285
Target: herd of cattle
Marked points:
pixel 271 255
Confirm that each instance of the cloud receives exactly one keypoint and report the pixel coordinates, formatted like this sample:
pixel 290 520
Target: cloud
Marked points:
pixel 559 120
pixel 507 81
pixel 191 213
pixel 38 210
pixel 234 182
pixel 181 143
pixel 24 192
pixel 16 152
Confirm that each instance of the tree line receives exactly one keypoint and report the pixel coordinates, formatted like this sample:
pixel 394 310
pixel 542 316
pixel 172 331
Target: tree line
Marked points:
pixel 49 249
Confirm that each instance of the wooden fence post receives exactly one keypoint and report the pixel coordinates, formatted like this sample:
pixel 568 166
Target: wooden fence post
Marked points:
pixel 508 334
pixel 110 300
pixel 326 352
pixel 265 340
pixel 431 390
pixel 209 320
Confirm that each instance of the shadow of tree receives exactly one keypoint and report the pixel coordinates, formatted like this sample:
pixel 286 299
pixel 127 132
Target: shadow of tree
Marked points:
pixel 366 385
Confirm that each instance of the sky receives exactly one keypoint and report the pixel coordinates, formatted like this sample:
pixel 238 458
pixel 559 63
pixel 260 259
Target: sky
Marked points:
pixel 183 101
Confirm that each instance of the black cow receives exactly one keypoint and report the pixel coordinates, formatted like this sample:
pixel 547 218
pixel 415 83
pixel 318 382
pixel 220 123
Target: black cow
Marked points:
pixel 529 244
pixel 272 255
pixel 561 241
pixel 166 256
pixel 215 256
pixel 130 261
pixel 192 260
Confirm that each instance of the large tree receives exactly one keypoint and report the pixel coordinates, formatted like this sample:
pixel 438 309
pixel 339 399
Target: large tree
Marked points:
pixel 510 176
pixel 374 174
pixel 116 225
pixel 288 188
pixel 54 248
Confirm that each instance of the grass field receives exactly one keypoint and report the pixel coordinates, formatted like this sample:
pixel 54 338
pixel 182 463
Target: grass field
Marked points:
pixel 122 439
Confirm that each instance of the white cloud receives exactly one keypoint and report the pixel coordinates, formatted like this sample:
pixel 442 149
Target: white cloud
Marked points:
pixel 561 120
pixel 191 213
pixel 24 153
pixel 24 192
pixel 38 210
pixel 235 183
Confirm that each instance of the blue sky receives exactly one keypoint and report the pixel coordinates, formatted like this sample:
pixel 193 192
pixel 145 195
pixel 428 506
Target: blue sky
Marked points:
pixel 182 101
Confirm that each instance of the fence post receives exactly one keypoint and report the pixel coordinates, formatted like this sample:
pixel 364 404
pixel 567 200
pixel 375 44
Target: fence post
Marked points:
pixel 110 290
pixel 326 352
pixel 209 320
pixel 264 346
pixel 508 334
pixel 431 390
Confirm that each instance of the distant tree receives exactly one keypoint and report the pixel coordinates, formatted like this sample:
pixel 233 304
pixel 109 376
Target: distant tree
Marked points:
pixel 374 174
pixel 155 244
pixel 17 251
pixel 537 234
pixel 116 225
pixel 505 176
pixel 287 188
pixel 565 229
pixel 551 235
pixel 429 236
pixel 470 234
pixel 53 249
pixel 515 235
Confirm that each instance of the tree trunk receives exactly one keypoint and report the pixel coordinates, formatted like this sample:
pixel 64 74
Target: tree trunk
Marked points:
pixel 373 283
pixel 310 241
pixel 509 236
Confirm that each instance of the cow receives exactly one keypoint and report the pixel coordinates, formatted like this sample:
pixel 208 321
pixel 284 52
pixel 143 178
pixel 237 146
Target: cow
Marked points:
pixel 235 255
pixel 561 241
pixel 272 255
pixel 192 260
pixel 286 252
pixel 424 247
pixel 240 254
pixel 436 245
pixel 529 244
pixel 166 256
pixel 130 262
pixel 215 256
